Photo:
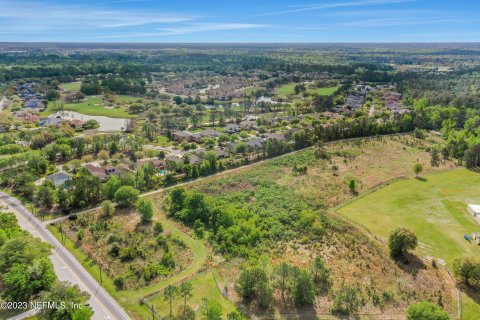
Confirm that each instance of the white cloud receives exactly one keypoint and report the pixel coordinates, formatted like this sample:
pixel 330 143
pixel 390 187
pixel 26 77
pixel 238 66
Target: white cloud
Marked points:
pixel 331 5
pixel 188 28
pixel 49 17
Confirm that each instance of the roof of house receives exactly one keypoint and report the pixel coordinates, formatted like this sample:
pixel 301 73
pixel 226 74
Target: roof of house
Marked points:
pixel 254 142
pixel 274 136
pixel 474 207
pixel 59 178
pixel 209 133
pixel 182 133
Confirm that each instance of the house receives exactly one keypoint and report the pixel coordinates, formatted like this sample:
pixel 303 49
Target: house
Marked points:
pixel 156 163
pixel 182 136
pixel 77 124
pixel 249 125
pixel 274 136
pixel 101 172
pixel 191 158
pixel 59 179
pixel 220 154
pixel 34 104
pixel 232 128
pixel 474 211
pixel 51 122
pixel 207 133
pixel 29 117
pixel 254 143
pixel 173 158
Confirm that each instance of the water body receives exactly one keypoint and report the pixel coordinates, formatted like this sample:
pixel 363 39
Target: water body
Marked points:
pixel 106 123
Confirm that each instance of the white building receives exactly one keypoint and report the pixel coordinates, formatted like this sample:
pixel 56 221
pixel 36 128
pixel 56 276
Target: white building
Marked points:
pixel 474 210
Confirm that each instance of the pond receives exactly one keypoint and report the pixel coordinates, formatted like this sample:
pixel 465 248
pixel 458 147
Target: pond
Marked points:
pixel 106 123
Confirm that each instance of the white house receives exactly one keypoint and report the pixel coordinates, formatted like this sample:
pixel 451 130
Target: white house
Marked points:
pixel 474 210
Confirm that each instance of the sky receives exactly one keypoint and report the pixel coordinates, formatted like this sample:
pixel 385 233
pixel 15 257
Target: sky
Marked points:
pixel 240 21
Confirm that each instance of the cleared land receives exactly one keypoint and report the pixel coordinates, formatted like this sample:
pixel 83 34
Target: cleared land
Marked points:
pixel 289 89
pixel 434 208
pixel 270 188
pixel 94 106
pixel 70 86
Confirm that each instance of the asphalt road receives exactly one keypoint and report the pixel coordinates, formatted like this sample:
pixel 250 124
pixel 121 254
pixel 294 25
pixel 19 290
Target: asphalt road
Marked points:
pixel 66 266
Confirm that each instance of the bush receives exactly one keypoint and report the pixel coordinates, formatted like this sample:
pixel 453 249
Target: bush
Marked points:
pixel 119 283
pixel 401 240
pixel 10 149
pixel 145 210
pixel 157 228
pixel 347 300
pixel 126 196
pixel 426 311
pixel 107 208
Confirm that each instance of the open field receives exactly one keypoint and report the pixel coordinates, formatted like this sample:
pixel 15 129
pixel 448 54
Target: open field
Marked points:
pixel 202 283
pixel 434 208
pixel 323 91
pixel 70 86
pixel 286 89
pixel 289 89
pixel 94 106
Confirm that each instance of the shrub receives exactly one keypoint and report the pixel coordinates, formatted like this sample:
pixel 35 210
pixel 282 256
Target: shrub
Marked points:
pixel 426 311
pixel 126 196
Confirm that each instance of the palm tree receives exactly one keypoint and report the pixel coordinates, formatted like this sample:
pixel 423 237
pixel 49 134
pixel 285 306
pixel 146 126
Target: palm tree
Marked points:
pixel 185 289
pixel 170 293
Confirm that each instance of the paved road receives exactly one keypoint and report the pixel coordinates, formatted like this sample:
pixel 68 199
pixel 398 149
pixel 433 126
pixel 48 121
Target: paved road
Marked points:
pixel 66 266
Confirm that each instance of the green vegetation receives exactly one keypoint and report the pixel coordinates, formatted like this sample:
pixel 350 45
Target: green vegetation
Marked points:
pixel 70 86
pixel 434 208
pixel 328 91
pixel 92 105
pixel 201 283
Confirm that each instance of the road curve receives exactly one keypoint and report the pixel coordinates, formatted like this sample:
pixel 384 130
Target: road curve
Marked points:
pixel 66 266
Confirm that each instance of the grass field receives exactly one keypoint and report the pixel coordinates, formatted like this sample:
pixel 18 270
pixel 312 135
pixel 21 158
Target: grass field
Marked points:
pixel 434 208
pixel 323 91
pixel 289 89
pixel 204 282
pixel 286 89
pixel 71 86
pixel 92 105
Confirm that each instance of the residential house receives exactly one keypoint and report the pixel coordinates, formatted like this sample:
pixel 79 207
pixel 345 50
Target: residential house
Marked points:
pixel 274 136
pixel 249 125
pixel 232 128
pixel 59 179
pixel 51 122
pixel 157 163
pixel 77 124
pixel 182 136
pixel 221 154
pixel 103 172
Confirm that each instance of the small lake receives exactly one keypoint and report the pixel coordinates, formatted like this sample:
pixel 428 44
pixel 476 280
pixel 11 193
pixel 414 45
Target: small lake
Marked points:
pixel 106 123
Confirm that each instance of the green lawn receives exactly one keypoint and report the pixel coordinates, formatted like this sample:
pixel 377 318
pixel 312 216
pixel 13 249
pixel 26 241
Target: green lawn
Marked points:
pixel 324 91
pixel 71 86
pixel 435 209
pixel 286 89
pixel 202 283
pixel 92 105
